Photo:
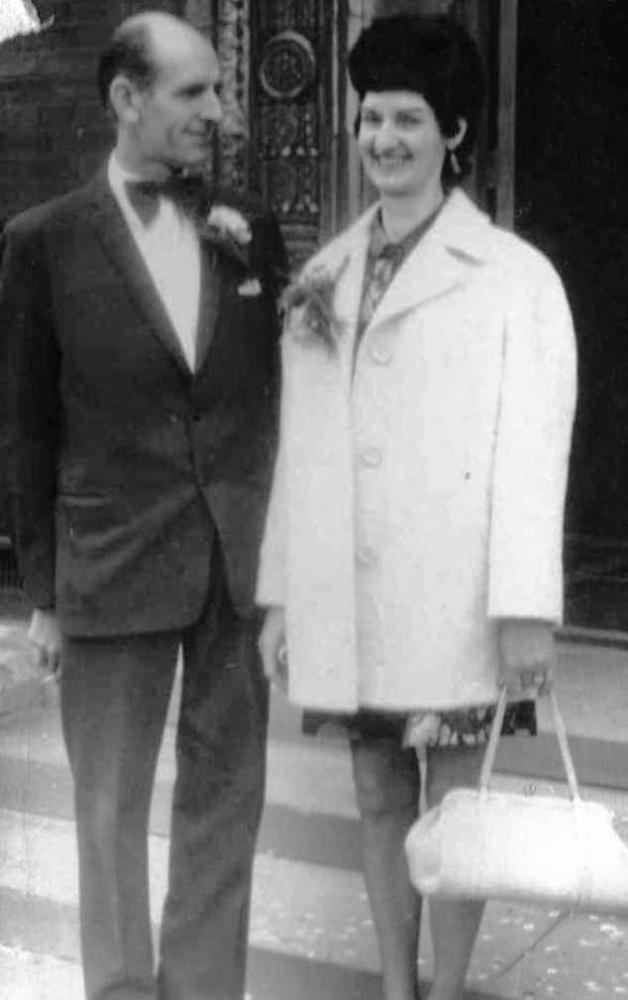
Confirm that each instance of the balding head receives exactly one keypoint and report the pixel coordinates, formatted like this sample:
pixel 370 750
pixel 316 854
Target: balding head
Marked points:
pixel 160 77
pixel 140 44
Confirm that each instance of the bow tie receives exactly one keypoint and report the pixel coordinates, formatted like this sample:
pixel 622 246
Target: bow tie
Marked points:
pixel 187 193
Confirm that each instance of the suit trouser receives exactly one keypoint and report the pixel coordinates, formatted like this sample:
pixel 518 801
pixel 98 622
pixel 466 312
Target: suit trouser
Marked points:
pixel 114 699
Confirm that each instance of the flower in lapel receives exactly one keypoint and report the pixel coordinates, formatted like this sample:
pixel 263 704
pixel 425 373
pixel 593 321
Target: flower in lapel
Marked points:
pixel 313 293
pixel 229 232
pixel 229 222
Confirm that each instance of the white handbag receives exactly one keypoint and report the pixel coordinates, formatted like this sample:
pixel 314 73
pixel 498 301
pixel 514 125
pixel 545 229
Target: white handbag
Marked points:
pixel 486 844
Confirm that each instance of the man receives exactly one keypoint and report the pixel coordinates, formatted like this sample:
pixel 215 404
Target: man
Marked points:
pixel 143 344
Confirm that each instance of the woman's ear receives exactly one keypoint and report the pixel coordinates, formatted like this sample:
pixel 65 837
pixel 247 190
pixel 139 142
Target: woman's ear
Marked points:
pixel 453 141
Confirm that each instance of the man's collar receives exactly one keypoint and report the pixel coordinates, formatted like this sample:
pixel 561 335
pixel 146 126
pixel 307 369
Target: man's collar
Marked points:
pixel 118 176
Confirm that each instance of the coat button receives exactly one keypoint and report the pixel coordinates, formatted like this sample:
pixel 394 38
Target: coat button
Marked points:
pixel 380 354
pixel 371 456
pixel 365 556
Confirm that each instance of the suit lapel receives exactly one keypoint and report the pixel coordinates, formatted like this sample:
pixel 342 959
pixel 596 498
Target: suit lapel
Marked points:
pixel 209 306
pixel 113 232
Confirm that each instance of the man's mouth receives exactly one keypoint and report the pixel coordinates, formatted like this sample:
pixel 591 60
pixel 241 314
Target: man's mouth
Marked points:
pixel 204 136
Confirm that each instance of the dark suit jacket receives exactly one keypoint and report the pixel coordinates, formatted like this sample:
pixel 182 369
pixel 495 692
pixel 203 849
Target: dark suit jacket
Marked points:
pixel 123 460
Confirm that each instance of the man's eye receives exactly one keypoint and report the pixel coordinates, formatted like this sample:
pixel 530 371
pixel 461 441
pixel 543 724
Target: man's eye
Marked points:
pixel 369 119
pixel 409 121
pixel 194 91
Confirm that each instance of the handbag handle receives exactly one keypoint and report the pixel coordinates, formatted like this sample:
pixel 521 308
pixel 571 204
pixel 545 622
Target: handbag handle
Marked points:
pixel 491 749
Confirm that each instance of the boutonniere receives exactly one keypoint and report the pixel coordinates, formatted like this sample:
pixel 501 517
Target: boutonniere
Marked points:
pixel 227 230
pixel 313 294
pixel 250 288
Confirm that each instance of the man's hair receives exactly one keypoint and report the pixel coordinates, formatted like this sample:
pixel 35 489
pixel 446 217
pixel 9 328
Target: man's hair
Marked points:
pixel 432 55
pixel 129 52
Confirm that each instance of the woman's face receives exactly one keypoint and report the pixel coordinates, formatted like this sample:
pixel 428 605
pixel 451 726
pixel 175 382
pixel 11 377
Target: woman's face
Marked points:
pixel 400 142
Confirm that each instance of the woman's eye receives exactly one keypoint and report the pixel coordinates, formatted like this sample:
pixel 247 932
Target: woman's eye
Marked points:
pixel 409 121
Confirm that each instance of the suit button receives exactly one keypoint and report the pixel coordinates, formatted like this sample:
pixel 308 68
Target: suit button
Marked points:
pixel 380 354
pixel 371 456
pixel 365 556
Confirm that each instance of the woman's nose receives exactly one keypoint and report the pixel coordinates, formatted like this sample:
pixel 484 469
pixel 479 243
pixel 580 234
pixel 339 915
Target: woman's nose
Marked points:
pixel 385 137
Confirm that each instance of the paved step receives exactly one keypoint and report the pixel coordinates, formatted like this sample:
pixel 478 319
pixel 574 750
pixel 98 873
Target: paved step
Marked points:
pixel 310 926
pixel 311 932
pixel 295 905
pixel 301 911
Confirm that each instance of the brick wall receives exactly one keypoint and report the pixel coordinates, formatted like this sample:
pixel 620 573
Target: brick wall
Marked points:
pixel 52 130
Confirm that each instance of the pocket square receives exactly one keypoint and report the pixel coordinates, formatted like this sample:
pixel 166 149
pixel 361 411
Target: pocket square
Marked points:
pixel 251 287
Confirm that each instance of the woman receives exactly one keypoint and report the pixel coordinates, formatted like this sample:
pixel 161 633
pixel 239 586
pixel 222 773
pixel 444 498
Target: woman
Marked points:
pixel 412 559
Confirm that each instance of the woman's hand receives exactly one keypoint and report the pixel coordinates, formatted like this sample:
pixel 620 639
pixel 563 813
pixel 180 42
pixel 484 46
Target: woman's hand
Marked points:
pixel 527 655
pixel 272 647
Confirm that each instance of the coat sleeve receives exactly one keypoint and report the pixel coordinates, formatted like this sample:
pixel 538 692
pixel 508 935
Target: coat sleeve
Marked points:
pixel 272 567
pixel 532 446
pixel 33 410
pixel 271 581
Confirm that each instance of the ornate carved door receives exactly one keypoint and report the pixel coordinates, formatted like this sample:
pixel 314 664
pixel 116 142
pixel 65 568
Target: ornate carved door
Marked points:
pixel 289 110
pixel 298 135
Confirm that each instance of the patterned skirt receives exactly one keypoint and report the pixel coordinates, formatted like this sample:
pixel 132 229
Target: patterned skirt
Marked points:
pixel 453 728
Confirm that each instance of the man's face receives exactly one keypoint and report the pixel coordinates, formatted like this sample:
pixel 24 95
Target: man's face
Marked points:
pixel 400 142
pixel 177 115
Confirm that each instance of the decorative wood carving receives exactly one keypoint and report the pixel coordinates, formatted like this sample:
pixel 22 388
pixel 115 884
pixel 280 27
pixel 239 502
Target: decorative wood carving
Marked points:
pixel 288 66
pixel 292 109
pixel 232 37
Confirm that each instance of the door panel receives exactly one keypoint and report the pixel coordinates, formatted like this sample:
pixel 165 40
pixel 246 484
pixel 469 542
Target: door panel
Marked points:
pixel 572 201
pixel 296 115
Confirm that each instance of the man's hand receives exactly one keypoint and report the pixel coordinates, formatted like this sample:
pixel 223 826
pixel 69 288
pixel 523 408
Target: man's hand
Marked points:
pixel 272 646
pixel 45 634
pixel 527 654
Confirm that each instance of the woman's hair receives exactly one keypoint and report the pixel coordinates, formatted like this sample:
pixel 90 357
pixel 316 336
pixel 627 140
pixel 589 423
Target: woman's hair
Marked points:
pixel 432 55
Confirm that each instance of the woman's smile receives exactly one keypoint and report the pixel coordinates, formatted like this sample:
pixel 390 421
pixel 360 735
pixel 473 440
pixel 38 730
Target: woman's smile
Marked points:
pixel 401 144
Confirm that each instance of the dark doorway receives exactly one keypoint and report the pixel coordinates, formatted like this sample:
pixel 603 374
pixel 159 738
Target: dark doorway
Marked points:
pixel 572 201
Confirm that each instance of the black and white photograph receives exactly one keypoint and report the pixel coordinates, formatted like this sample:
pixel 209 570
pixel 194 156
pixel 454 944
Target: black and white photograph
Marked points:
pixel 313 499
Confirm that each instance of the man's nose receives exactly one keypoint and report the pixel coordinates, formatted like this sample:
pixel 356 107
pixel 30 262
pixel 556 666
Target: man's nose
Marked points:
pixel 212 108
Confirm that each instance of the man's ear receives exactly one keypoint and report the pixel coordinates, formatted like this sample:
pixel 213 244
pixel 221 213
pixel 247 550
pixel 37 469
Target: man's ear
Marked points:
pixel 124 98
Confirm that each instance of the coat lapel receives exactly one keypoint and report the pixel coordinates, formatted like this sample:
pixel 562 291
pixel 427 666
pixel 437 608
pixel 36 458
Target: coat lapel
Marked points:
pixel 123 252
pixel 346 257
pixel 440 262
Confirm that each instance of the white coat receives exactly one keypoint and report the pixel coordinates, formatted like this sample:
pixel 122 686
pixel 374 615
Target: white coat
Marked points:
pixel 420 499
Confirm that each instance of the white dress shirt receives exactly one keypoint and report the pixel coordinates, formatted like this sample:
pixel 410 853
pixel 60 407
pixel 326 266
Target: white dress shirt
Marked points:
pixel 171 250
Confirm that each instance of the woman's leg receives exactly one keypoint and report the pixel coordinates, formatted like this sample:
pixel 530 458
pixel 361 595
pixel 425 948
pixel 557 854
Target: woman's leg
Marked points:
pixel 387 790
pixel 454 922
